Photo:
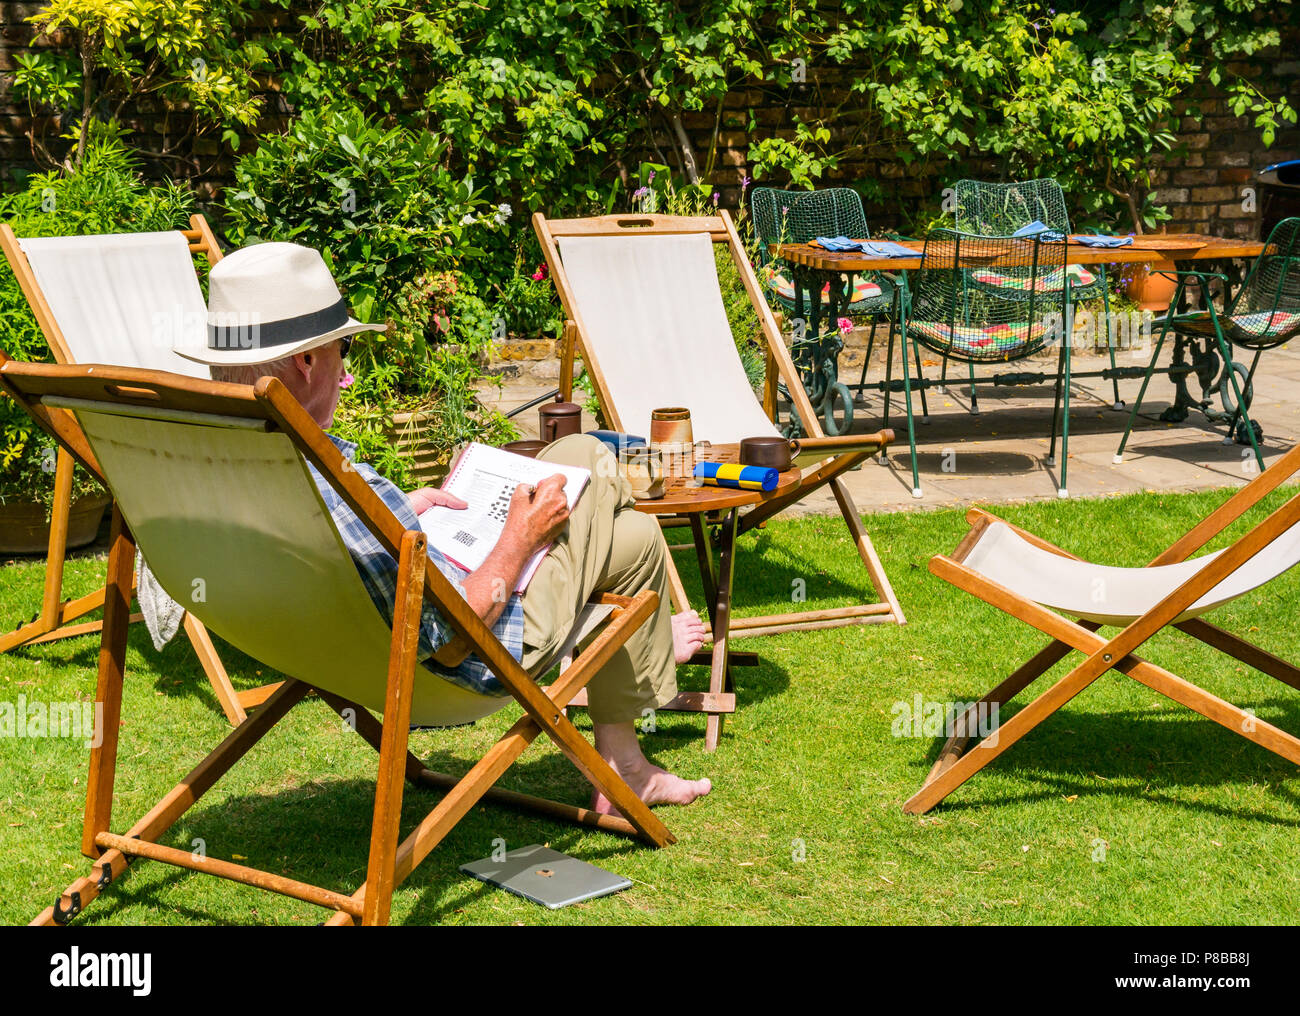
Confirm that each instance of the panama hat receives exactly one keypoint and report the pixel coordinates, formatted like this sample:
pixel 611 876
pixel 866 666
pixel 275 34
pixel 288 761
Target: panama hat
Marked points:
pixel 269 301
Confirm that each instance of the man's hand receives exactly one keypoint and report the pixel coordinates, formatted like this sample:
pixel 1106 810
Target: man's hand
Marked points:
pixel 538 514
pixel 429 497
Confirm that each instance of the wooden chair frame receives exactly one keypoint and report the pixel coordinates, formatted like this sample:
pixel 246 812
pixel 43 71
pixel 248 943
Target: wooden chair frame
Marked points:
pixel 56 617
pixel 956 763
pixel 852 451
pixel 390 862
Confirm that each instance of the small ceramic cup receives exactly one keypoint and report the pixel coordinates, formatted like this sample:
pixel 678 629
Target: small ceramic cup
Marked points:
pixel 644 471
pixel 528 448
pixel 671 436
pixel 671 425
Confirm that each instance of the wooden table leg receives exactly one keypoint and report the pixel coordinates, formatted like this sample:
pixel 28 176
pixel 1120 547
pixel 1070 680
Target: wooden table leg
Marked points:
pixel 720 672
pixel 704 555
pixel 708 578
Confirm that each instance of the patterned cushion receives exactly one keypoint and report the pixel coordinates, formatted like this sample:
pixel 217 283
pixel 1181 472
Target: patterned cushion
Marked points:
pixel 981 340
pixel 1261 324
pixel 863 289
pixel 1047 282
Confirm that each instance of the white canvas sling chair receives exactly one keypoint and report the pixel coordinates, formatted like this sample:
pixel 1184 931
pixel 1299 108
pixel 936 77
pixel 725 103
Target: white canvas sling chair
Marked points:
pixel 123 300
pixel 1032 580
pixel 644 310
pixel 211 482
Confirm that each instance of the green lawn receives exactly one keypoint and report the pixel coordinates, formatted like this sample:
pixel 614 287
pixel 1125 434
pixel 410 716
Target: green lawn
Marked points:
pixel 1124 808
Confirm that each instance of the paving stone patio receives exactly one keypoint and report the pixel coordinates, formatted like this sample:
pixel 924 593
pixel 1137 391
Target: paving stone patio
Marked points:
pixel 998 455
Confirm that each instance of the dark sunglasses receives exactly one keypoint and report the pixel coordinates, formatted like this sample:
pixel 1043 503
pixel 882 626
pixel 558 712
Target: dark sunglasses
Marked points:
pixel 345 345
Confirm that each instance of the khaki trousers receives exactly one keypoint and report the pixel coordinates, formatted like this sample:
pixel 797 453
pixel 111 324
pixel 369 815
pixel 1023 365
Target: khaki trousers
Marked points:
pixel 607 547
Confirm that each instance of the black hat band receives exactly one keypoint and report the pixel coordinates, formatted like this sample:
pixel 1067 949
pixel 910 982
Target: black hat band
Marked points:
pixel 261 334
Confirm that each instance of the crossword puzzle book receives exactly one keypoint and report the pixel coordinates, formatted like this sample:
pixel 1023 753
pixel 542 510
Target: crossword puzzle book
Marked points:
pixel 486 478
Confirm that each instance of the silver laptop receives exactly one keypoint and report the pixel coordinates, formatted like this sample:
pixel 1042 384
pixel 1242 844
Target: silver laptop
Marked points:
pixel 546 876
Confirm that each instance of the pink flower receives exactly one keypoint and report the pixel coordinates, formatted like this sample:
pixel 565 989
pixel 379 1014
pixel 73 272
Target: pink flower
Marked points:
pixel 346 381
pixel 715 199
pixel 541 272
pixel 538 276
pixel 846 325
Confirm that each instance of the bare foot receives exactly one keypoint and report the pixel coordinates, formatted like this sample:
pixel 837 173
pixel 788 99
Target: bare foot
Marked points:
pixel 654 786
pixel 689 634
pixel 618 745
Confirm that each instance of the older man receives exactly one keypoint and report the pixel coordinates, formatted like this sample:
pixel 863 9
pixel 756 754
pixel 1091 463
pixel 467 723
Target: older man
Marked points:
pixel 275 309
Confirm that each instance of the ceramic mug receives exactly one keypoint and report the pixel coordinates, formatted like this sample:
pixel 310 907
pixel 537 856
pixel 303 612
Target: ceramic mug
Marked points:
pixel 671 436
pixel 671 425
pixel 644 471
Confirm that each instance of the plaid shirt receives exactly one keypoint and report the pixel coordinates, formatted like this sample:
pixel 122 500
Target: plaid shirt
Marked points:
pixel 378 570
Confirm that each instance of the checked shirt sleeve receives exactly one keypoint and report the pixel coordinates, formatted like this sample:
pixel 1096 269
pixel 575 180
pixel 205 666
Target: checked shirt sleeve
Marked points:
pixel 378 571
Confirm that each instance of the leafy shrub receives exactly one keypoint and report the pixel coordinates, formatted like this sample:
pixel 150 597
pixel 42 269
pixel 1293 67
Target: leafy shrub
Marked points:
pixel 375 201
pixel 434 357
pixel 390 220
pixel 527 304
pixel 182 52
pixel 105 194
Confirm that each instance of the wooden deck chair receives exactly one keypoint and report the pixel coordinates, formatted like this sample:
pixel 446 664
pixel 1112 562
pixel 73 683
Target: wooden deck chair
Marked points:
pixel 119 299
pixel 211 482
pixel 644 309
pixel 1032 580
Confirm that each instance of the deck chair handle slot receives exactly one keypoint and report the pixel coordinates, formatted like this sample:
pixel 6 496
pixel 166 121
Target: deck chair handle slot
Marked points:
pixel 133 392
pixel 158 413
pixel 635 223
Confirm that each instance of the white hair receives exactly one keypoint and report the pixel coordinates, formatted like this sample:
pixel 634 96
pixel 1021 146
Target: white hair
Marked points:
pixel 248 373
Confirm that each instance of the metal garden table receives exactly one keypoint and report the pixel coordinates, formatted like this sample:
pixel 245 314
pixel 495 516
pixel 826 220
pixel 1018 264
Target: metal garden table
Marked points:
pixel 813 266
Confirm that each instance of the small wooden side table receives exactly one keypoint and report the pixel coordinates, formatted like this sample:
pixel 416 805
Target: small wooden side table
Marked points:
pixel 685 497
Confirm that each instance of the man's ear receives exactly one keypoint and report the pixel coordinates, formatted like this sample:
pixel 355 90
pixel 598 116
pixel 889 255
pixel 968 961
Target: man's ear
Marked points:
pixel 303 363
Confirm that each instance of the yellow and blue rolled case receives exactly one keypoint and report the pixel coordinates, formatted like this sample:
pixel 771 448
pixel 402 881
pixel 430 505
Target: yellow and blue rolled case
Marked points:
pixel 731 474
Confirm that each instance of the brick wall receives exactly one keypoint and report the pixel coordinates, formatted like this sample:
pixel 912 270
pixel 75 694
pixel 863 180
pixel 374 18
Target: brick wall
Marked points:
pixel 1206 188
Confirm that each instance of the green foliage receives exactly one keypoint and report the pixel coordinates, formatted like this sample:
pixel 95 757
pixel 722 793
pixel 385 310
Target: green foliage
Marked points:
pixel 1086 92
pixel 431 361
pixel 375 201
pixel 542 104
pixel 802 160
pixel 181 52
pixel 390 220
pixel 527 304
pixel 105 194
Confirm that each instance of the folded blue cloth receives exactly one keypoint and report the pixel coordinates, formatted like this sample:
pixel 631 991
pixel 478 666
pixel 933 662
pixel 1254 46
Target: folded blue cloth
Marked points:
pixel 1104 241
pixel 617 441
pixel 1041 230
pixel 872 248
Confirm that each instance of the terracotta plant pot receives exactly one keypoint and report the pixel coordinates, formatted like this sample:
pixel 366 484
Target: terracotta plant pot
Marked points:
pixel 24 528
pixel 409 435
pixel 1150 290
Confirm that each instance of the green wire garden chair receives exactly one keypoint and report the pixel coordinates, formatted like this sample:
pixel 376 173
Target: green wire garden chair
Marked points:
pixel 988 324
pixel 1264 313
pixel 999 209
pixel 795 216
